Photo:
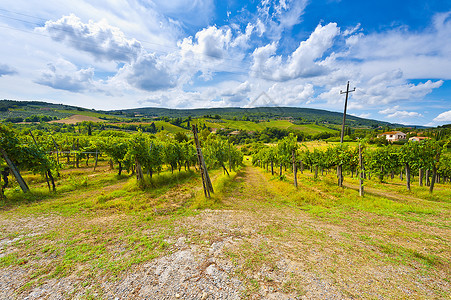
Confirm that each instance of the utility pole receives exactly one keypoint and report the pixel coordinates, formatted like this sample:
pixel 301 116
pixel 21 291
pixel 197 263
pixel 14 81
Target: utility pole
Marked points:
pixel 344 114
pixel 340 167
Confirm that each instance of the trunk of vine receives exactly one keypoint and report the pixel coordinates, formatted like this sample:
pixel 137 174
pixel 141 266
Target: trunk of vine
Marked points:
pixel 280 171
pixel 340 175
pixel 5 174
pixel 434 174
pixel 120 168
pixel 225 169
pixel 97 159
pixel 408 177
pixel 47 180
pixel 316 172
pixel 52 180
pixel 23 185
pixel 272 168
pixel 139 172
pixel 420 177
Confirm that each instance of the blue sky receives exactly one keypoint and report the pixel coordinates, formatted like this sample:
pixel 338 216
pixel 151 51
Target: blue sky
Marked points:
pixel 203 53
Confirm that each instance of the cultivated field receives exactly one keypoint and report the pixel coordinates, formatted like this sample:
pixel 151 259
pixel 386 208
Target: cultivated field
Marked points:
pixel 101 237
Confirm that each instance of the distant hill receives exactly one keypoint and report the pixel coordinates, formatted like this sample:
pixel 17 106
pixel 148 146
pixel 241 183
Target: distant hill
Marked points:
pixel 307 115
pixel 23 109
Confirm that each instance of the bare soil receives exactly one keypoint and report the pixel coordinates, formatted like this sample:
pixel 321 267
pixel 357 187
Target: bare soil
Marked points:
pixel 254 247
pixel 74 119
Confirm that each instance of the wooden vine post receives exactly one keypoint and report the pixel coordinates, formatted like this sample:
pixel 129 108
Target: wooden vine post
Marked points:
pixel 206 182
pixel 295 169
pixel 15 172
pixel 361 191
pixel 47 173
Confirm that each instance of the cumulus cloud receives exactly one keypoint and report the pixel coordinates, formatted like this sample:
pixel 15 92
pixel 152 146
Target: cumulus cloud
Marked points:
pixel 211 43
pixel 289 94
pixel 304 62
pixel 211 50
pixel 362 115
pixel 64 75
pixel 390 87
pixel 237 93
pixel 279 15
pixel 147 73
pixel 443 117
pixel 396 112
pixel 420 54
pixel 6 70
pixel 100 39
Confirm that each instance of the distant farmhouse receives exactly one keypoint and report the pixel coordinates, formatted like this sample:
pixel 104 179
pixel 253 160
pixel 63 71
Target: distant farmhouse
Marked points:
pixel 393 136
pixel 418 138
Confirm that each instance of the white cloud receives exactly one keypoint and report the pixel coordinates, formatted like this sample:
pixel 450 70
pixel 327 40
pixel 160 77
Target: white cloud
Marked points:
pixel 395 112
pixel 100 39
pixel 6 70
pixel 279 16
pixel 242 39
pixel 212 43
pixel 303 62
pixel 420 54
pixel 362 115
pixel 291 94
pixel 236 93
pixel 64 75
pixel 147 73
pixel 443 117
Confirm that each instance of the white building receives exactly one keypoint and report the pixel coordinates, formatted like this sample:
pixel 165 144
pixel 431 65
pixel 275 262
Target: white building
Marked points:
pixel 393 136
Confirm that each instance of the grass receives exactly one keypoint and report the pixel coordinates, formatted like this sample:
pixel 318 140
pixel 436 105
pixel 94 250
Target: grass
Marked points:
pixel 252 126
pixel 84 113
pixel 102 231
pixel 100 225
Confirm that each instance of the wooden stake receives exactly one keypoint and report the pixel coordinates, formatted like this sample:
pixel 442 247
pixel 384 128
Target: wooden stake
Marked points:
pixel 206 182
pixel 361 192
pixel 294 169
pixel 15 171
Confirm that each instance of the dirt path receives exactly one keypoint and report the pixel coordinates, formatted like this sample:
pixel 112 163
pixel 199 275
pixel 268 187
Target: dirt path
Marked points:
pixel 257 246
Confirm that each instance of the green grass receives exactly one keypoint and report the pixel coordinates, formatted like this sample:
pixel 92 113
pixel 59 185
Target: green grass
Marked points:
pixel 84 113
pixel 99 224
pixel 252 126
pixel 170 127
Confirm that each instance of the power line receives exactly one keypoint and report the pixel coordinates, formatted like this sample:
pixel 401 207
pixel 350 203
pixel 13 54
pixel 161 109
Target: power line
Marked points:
pixel 21 14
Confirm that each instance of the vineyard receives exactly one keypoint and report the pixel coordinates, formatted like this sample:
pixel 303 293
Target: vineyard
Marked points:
pixel 98 213
pixel 425 159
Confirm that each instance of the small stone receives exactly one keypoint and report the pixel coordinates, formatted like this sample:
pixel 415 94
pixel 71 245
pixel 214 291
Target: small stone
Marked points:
pixel 204 295
pixel 177 295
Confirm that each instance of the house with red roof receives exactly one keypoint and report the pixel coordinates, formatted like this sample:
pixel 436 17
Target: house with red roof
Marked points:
pixel 393 136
